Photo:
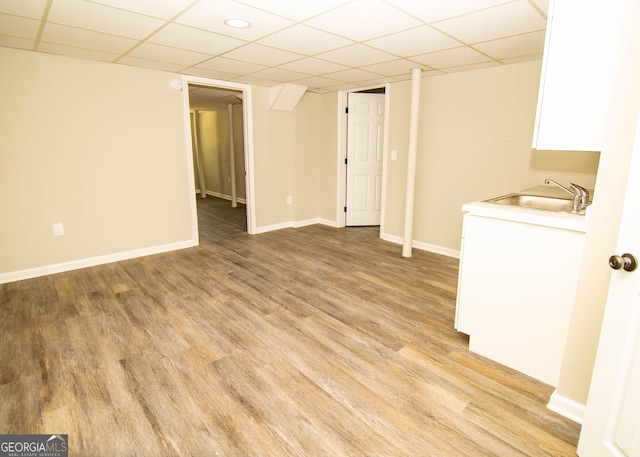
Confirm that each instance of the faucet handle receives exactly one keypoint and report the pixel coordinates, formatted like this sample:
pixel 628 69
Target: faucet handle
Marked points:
pixel 583 195
pixel 581 190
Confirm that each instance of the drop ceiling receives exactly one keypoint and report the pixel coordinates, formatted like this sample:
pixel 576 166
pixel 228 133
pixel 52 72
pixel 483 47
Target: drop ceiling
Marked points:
pixel 326 45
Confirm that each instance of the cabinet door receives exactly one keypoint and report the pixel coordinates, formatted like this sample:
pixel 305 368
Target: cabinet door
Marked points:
pixel 577 69
pixel 517 287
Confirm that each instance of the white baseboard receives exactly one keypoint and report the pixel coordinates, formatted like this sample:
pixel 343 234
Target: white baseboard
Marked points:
pixel 295 224
pixel 566 407
pixel 271 228
pixel 392 238
pixel 93 261
pixel 328 222
pixel 423 246
pixel 224 196
pixel 305 223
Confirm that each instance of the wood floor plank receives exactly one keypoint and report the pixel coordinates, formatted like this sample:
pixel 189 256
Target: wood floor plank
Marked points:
pixel 314 341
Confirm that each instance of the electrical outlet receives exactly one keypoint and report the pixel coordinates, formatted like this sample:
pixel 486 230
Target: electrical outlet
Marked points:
pixel 58 229
pixel 394 154
pixel 289 199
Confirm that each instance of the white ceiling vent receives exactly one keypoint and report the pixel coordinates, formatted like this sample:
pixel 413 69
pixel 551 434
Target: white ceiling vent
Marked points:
pixel 285 97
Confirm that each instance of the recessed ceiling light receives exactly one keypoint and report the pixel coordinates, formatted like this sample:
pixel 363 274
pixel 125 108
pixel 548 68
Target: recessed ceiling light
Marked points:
pixel 237 23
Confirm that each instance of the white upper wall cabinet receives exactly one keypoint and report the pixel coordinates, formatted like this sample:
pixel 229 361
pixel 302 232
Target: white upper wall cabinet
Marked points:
pixel 580 50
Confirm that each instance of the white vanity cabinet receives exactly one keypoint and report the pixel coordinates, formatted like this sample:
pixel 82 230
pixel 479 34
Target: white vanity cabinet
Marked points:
pixel 577 71
pixel 516 287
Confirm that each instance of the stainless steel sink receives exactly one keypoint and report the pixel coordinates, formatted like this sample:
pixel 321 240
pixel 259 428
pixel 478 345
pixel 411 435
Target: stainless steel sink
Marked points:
pixel 534 201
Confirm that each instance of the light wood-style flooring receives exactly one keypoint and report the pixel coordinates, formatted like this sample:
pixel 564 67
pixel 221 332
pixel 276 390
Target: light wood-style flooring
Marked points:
pixel 313 341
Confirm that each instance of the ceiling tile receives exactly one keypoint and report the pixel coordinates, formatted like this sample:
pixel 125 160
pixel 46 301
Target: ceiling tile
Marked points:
pixel 522 58
pixel 74 51
pixel 18 26
pixel 310 40
pixel 314 66
pixel 211 14
pixel 32 8
pixel 278 74
pixel 415 41
pixel 345 86
pixel 477 66
pixel 380 81
pixel 353 75
pixel 184 37
pixel 437 10
pixel 148 63
pixel 356 56
pixel 80 38
pixel 393 67
pixel 238 67
pixel 317 81
pixel 256 81
pixel 263 55
pixel 451 58
pixel 214 74
pixel 362 20
pixel 519 45
pixel 501 21
pixel 160 9
pixel 168 54
pixel 295 10
pixel 17 43
pixel 426 72
pixel 92 16
pixel 305 40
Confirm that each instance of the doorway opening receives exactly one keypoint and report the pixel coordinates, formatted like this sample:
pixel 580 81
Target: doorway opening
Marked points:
pixel 221 145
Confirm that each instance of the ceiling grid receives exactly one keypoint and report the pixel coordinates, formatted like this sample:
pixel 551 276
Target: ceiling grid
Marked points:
pixel 327 45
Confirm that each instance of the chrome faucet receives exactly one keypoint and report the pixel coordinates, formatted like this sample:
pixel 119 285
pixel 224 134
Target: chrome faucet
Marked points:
pixel 579 193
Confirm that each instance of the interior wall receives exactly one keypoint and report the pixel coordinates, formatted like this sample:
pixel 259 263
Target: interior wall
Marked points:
pixel 314 164
pixel 215 147
pixel 96 146
pixel 272 156
pixel 307 155
pixel 326 165
pixel 476 129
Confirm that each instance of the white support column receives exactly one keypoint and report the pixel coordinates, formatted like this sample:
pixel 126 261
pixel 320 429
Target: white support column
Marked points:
pixel 407 240
pixel 198 157
pixel 232 159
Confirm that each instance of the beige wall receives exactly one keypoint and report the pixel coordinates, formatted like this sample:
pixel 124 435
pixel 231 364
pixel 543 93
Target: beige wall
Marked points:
pixel 327 163
pixel 97 146
pixel 272 145
pixel 306 155
pixel 474 142
pixel 315 156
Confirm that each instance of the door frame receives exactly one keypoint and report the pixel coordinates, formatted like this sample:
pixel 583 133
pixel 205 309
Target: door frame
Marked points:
pixel 342 152
pixel 248 144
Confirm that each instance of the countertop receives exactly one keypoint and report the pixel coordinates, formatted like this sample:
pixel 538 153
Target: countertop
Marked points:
pixel 567 221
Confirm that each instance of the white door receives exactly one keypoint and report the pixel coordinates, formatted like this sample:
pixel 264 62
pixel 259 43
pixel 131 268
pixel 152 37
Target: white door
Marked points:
pixel 612 418
pixel 611 425
pixel 365 130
